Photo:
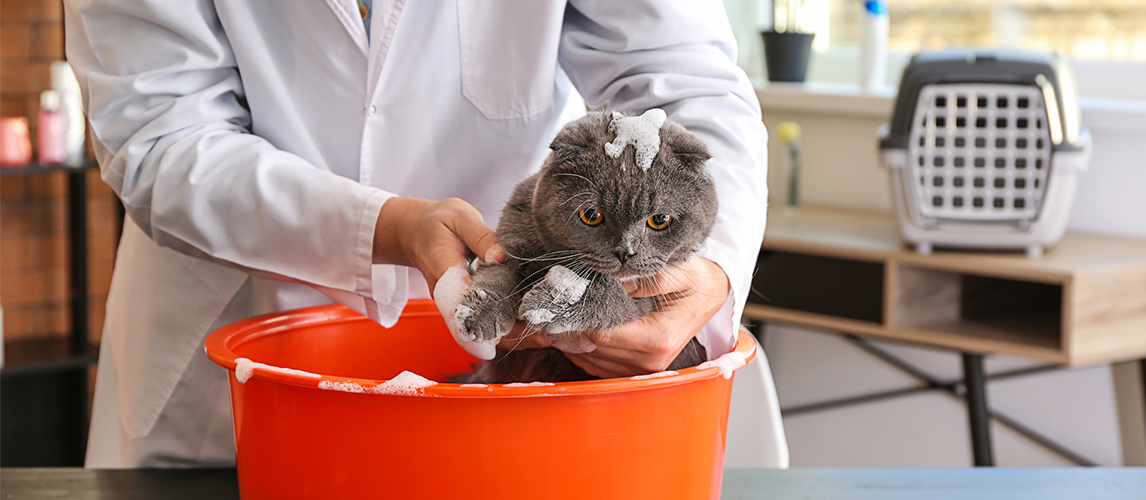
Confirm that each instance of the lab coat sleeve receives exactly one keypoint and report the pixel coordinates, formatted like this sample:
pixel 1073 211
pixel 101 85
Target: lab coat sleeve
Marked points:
pixel 680 56
pixel 172 134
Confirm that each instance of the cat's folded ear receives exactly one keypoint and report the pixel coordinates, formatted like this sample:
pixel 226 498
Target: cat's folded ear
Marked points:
pixel 580 136
pixel 688 149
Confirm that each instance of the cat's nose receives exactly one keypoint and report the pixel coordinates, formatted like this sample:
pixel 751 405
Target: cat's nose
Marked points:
pixel 624 254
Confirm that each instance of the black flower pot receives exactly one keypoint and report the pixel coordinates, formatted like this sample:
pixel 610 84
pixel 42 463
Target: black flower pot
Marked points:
pixel 786 55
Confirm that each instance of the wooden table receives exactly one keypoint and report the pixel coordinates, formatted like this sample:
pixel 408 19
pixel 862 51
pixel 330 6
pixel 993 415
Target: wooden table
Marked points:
pixel 1083 302
pixel 739 484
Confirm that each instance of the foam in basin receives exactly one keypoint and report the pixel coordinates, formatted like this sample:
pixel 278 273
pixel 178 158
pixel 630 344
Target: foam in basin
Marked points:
pixel 245 369
pixel 654 375
pixel 727 363
pixel 405 384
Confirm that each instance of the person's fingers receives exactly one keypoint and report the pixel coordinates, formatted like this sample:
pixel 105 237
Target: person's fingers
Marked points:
pixel 436 260
pixel 637 335
pixel 598 367
pixel 470 227
pixel 672 282
pixel 523 337
pixel 631 287
pixel 456 229
pixel 637 362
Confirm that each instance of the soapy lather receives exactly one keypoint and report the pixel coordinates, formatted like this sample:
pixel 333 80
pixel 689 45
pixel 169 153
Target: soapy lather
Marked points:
pixel 642 132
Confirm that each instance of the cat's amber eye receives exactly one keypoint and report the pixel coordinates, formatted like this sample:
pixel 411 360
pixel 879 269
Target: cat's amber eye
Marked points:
pixel 659 221
pixel 591 216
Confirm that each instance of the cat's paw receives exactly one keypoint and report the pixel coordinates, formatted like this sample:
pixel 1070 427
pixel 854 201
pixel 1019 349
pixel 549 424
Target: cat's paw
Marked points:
pixel 554 303
pixel 482 317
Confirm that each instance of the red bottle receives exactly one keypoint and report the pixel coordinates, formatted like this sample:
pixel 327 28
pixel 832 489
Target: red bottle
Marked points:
pixel 15 148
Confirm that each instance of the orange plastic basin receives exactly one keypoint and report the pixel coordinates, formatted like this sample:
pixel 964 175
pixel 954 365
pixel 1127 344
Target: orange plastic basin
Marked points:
pixel 659 438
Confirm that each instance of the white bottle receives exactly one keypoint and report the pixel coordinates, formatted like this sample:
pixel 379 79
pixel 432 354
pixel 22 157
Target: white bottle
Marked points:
pixel 873 65
pixel 71 105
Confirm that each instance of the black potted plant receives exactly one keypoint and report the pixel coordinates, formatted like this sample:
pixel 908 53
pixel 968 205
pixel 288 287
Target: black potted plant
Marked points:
pixel 787 47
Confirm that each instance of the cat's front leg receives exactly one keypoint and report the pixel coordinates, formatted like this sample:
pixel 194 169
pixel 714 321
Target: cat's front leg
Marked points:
pixel 554 300
pixel 567 302
pixel 487 310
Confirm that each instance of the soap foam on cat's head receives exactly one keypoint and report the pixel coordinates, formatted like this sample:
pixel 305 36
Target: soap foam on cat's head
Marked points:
pixel 642 132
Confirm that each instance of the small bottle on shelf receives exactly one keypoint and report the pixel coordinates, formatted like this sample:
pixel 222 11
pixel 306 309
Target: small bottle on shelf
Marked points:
pixel 790 135
pixel 51 128
pixel 873 65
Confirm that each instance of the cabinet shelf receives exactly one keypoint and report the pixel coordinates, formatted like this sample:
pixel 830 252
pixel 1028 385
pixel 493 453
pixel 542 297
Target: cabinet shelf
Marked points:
pixel 1083 302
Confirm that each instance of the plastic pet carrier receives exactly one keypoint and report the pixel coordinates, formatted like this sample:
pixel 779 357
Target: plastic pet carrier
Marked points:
pixel 984 150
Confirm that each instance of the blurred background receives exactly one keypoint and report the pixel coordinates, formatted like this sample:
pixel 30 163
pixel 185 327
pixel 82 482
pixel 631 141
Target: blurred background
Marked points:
pixel 57 223
pixel 1094 412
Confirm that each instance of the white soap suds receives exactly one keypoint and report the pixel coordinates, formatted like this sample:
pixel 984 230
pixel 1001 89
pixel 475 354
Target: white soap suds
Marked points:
pixel 327 385
pixel 642 132
pixel 245 369
pixel 406 384
pixel 531 384
pixel 538 316
pixel 474 386
pixel 448 293
pixel 461 313
pixel 568 287
pixel 727 363
pixel 654 375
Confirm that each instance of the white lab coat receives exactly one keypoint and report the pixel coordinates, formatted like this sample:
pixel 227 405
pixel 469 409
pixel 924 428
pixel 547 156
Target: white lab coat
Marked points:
pixel 253 143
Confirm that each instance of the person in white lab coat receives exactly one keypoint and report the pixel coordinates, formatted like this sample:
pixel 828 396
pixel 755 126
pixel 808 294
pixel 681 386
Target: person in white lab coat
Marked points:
pixel 274 155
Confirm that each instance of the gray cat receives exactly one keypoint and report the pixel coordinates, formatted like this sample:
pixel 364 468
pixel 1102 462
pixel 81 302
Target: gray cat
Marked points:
pixel 619 198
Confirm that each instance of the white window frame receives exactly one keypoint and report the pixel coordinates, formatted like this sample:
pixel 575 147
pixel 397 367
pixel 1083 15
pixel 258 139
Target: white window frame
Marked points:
pixel 1113 80
pixel 1102 84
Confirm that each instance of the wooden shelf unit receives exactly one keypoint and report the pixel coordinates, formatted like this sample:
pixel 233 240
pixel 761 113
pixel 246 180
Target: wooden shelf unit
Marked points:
pixel 1083 302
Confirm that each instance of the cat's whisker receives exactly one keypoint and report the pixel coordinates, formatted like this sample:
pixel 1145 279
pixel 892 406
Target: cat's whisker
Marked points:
pixel 570 174
pixel 527 281
pixel 577 211
pixel 693 282
pixel 571 198
pixel 546 256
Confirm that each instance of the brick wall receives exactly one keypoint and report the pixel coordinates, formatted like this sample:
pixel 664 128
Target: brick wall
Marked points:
pixel 33 208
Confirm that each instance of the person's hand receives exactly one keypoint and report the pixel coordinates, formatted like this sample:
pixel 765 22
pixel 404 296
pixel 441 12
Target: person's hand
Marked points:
pixel 432 236
pixel 694 292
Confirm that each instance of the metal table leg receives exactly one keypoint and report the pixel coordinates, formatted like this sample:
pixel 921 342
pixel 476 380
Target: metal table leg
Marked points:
pixel 1142 373
pixel 757 328
pixel 977 410
pixel 78 256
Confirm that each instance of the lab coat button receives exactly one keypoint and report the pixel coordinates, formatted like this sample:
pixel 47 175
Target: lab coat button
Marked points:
pixel 372 109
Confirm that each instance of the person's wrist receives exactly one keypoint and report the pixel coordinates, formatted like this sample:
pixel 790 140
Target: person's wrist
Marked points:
pixel 389 245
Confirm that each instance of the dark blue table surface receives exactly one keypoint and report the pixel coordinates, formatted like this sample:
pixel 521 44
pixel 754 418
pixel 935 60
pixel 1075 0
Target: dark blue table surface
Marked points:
pixel 739 484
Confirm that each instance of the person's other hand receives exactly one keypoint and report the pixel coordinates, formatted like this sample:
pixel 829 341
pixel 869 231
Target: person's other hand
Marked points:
pixel 693 293
pixel 432 236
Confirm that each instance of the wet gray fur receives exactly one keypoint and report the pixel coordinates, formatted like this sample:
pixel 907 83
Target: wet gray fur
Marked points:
pixel 541 228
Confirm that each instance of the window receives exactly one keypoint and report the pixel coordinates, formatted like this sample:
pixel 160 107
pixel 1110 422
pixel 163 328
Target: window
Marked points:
pixel 1082 29
pixel 1104 39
